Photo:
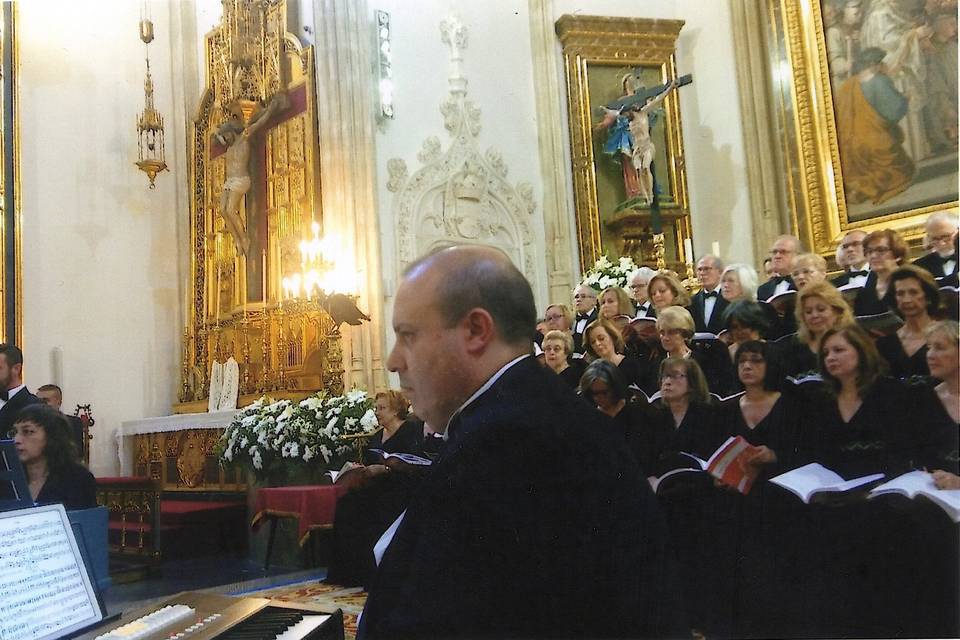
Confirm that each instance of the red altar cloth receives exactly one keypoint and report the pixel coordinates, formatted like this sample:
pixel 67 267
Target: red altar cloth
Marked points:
pixel 314 506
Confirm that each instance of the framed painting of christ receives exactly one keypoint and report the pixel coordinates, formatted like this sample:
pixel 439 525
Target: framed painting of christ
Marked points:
pixel 625 140
pixel 868 95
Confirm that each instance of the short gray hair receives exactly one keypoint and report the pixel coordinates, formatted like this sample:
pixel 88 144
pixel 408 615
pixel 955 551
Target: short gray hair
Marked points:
pixel 747 275
pixel 644 273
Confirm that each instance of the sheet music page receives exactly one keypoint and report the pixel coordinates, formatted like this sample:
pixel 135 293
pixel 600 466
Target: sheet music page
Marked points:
pixel 44 588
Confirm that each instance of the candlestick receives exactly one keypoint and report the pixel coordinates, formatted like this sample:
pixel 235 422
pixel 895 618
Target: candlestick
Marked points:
pixel 688 250
pixel 715 249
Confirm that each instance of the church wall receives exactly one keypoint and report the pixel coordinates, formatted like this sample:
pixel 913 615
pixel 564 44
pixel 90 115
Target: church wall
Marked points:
pixel 710 114
pixel 101 256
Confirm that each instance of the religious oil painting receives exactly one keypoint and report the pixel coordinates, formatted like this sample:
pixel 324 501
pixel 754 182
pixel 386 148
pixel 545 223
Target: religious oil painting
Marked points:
pixel 893 76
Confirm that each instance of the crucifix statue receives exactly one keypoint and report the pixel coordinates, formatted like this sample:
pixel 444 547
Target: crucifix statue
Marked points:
pixel 236 184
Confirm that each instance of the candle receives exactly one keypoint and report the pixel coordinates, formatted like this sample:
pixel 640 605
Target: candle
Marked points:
pixel 263 276
pixel 688 250
pixel 715 249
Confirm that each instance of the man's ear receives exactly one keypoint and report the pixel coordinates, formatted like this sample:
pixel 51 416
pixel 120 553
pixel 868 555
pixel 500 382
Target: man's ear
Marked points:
pixel 479 330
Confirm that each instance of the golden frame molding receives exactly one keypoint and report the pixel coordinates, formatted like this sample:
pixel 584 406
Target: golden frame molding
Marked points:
pixel 11 139
pixel 805 104
pixel 599 40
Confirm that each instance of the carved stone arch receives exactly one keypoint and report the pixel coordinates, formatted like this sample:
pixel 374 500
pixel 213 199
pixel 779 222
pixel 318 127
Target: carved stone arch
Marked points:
pixel 460 195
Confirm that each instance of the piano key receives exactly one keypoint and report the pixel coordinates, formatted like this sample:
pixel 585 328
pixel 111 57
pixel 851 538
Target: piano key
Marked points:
pixel 302 629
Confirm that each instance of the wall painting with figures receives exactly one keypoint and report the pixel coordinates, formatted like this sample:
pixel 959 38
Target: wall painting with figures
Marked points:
pixel 871 102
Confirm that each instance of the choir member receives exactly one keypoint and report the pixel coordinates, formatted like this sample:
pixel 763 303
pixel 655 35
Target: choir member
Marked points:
pixel 808 268
pixel 707 305
pixel 914 294
pixel 676 328
pixel 937 409
pixel 604 341
pixel 585 304
pixel 557 348
pixel 885 250
pixel 738 282
pixel 615 305
pixel 44 444
pixel 558 317
pixel 398 434
pixel 782 251
pixel 665 291
pixel 850 256
pixel 639 282
pixel 744 321
pixel 941 261
pixel 820 307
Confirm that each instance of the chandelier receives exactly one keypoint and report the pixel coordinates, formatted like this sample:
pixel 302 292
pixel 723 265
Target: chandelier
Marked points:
pixel 152 155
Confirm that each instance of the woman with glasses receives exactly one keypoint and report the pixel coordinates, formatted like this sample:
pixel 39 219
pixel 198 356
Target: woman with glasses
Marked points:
pixel 915 296
pixel 676 328
pixel 885 251
pixel 557 348
pixel 745 321
pixel 44 444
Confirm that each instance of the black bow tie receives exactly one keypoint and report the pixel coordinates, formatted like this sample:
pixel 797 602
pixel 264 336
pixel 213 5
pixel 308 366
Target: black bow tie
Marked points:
pixel 583 316
pixel 5 395
pixel 952 256
pixel 711 294
pixel 778 279
pixel 857 274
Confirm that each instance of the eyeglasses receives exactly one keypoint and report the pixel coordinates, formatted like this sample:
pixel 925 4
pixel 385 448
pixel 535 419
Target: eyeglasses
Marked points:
pixel 671 332
pixel 803 272
pixel 638 286
pixel 851 244
pixel 675 375
pixel 580 296
pixel 752 359
pixel 557 316
pixel 947 237
pixel 879 251
pixel 781 252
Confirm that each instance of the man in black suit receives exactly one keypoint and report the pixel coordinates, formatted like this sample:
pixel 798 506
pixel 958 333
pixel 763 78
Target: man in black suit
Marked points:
pixel 52 395
pixel 941 262
pixel 785 248
pixel 533 522
pixel 637 288
pixel 13 393
pixel 856 268
pixel 585 306
pixel 707 305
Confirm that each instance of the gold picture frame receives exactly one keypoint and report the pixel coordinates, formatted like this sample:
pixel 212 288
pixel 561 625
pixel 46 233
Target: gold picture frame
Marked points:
pixel 801 74
pixel 597 52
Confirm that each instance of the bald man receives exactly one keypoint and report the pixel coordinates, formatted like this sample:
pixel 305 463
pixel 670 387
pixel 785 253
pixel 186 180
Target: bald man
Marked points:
pixel 532 517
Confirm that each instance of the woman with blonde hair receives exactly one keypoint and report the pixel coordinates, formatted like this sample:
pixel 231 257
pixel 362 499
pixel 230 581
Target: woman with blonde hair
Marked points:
pixel 615 305
pixel 604 341
pixel 676 328
pixel 820 307
pixel 808 268
pixel 665 290
pixel 557 348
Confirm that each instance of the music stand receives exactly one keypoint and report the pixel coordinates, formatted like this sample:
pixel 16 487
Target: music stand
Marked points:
pixel 14 493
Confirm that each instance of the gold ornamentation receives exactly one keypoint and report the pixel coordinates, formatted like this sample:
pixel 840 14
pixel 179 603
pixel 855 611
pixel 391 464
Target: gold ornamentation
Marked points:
pixel 152 158
pixel 599 43
pixel 192 461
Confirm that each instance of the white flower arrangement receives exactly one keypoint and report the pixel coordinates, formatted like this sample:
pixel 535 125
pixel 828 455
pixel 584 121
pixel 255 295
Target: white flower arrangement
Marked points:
pixel 605 274
pixel 270 435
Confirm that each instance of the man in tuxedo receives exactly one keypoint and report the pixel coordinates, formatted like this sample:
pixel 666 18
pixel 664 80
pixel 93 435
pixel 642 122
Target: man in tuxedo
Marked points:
pixel 637 288
pixel 533 522
pixel 52 395
pixel 856 268
pixel 13 393
pixel 782 252
pixel 941 262
pixel 707 305
pixel 585 306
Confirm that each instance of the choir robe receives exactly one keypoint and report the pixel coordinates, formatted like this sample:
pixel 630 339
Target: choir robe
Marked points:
pixel 902 366
pixel 572 374
pixel 794 356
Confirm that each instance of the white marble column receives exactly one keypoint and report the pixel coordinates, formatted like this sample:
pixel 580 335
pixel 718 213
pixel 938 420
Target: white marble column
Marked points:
pixel 346 126
pixel 562 254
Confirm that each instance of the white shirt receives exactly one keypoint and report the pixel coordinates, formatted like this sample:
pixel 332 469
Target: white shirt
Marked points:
pixel 10 394
pixel 709 304
pixel 949 266
pixel 381 547
pixel 859 281
pixel 782 287
pixel 643 310
pixel 581 325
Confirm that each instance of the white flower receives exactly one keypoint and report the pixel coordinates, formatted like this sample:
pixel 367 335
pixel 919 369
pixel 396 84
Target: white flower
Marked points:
pixel 294 449
pixel 257 461
pixel 369 420
pixel 356 396
pixel 308 453
pixel 332 422
pixel 349 422
pixel 228 454
pixel 244 441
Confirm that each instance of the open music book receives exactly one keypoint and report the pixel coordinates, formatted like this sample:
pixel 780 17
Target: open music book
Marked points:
pixel 807 481
pixel 880 323
pixel 409 458
pixel 727 464
pixel 920 483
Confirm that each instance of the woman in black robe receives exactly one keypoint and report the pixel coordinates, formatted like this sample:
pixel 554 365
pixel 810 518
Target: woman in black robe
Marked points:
pixel 916 298
pixel 604 340
pixel 885 251
pixel 378 492
pixel 819 307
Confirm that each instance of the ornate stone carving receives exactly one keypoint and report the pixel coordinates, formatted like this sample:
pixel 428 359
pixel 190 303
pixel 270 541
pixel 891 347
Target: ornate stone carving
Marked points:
pixel 460 195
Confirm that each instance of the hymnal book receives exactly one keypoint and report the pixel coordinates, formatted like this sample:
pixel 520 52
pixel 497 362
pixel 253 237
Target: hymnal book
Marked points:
pixel 920 483
pixel 347 466
pixel 880 323
pixel 649 398
pixel 727 464
pixel 706 336
pixel 804 378
pixel 784 296
pixel 409 458
pixel 720 398
pixel 807 481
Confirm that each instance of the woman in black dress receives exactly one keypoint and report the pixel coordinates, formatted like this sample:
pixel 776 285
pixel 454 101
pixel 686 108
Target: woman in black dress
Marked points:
pixel 557 347
pixel 914 294
pixel 744 320
pixel 819 307
pixel 676 328
pixel 885 251
pixel 46 449
pixel 605 341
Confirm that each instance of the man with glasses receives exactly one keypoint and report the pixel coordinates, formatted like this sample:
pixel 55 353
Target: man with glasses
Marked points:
pixel 784 250
pixel 856 268
pixel 585 305
pixel 13 393
pixel 707 305
pixel 941 262
pixel 637 288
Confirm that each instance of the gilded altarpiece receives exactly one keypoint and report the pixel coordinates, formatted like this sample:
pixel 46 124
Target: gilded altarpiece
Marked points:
pixel 285 348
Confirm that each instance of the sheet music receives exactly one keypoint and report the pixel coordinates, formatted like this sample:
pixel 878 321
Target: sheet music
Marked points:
pixel 44 588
